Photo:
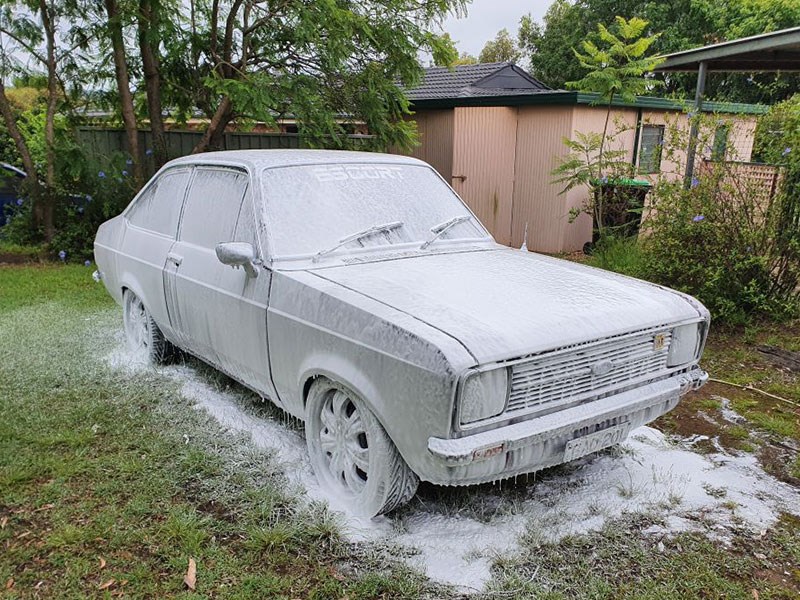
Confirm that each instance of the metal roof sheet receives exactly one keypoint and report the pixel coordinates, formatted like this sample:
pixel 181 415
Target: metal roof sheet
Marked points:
pixel 774 51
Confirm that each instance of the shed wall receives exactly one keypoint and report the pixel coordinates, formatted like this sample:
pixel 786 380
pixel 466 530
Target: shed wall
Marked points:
pixel 483 164
pixel 537 202
pixel 435 129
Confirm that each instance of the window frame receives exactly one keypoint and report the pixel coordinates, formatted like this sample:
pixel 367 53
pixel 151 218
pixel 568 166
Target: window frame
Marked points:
pixel 248 192
pixel 126 214
pixel 719 147
pixel 654 168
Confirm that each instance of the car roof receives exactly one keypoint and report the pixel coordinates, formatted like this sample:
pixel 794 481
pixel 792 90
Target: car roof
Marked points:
pixel 261 159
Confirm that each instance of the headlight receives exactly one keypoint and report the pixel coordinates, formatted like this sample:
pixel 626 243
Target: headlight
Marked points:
pixel 684 345
pixel 484 395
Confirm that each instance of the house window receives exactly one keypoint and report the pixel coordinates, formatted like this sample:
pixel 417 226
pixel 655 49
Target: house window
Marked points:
pixel 650 148
pixel 720 147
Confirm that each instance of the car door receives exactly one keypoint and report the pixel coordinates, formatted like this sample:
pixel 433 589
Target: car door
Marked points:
pixel 218 310
pixel 151 224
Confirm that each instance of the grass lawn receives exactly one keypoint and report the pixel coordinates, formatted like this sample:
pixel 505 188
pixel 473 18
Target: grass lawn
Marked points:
pixel 101 493
pixel 111 483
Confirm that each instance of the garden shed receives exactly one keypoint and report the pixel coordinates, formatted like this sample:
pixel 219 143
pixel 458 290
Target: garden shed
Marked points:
pixel 495 133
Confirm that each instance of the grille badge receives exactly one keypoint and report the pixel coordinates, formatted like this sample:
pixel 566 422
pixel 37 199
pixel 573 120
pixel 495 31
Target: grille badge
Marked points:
pixel 602 368
pixel 659 341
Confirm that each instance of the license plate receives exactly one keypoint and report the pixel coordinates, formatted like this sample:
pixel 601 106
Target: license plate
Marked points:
pixel 596 441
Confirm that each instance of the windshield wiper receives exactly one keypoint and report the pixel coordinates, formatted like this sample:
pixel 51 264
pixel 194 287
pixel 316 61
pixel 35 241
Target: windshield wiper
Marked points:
pixel 357 236
pixel 440 229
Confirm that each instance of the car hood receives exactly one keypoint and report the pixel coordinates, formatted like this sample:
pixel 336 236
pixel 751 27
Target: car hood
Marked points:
pixel 507 303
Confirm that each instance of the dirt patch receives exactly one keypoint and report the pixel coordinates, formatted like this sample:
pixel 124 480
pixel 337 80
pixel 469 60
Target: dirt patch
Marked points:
pixel 777 460
pixel 698 415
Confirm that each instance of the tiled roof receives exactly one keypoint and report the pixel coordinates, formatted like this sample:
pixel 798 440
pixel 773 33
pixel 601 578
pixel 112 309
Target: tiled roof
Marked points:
pixel 471 81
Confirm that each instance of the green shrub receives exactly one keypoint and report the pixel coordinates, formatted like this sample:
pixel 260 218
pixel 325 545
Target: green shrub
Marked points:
pixel 88 193
pixel 722 241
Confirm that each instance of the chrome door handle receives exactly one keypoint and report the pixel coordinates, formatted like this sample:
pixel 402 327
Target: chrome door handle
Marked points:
pixel 174 259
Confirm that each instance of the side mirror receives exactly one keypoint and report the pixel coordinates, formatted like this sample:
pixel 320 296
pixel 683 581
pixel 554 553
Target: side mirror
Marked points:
pixel 238 254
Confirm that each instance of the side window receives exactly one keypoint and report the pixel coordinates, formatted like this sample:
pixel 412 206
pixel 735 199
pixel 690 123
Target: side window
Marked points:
pixel 650 149
pixel 212 206
pixel 159 206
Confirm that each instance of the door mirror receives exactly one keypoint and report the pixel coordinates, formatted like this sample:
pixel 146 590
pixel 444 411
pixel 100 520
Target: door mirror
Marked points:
pixel 238 254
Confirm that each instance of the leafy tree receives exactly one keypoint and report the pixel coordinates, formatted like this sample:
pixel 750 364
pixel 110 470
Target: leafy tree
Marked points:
pixel 549 45
pixel 452 58
pixel 683 23
pixel 616 67
pixel 465 58
pixel 502 48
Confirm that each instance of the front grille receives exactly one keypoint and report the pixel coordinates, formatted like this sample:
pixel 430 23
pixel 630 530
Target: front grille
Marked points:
pixel 567 375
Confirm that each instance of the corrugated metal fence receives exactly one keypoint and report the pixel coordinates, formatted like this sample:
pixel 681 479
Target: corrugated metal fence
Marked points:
pixel 101 142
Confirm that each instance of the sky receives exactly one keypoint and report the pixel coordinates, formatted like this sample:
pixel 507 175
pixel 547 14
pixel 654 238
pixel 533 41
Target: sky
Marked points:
pixel 486 17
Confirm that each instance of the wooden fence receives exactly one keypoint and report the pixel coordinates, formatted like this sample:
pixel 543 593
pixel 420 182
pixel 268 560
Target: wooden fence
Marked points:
pixel 101 142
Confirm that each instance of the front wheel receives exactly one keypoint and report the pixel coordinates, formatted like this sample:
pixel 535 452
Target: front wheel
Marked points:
pixel 351 453
pixel 143 335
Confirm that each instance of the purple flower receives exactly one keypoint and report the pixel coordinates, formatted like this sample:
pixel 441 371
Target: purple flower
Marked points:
pixel 698 218
pixel 124 173
pixel 102 174
pixel 786 151
pixel 87 263
pixel 80 210
pixel 62 255
pixel 88 198
pixel 604 179
pixel 149 152
pixel 19 201
pixel 129 162
pixel 695 182
pixel 691 115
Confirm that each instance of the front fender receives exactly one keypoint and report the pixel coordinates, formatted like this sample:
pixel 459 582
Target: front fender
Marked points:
pixel 406 379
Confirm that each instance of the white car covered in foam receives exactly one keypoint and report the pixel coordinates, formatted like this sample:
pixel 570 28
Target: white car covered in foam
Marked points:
pixel 360 294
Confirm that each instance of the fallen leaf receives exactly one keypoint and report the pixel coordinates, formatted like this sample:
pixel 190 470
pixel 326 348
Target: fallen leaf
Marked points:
pixel 107 584
pixel 44 507
pixel 102 562
pixel 3 522
pixel 190 579
pixel 38 585
pixel 10 583
pixel 755 594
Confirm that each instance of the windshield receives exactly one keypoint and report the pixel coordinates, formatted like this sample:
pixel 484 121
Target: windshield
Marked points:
pixel 312 208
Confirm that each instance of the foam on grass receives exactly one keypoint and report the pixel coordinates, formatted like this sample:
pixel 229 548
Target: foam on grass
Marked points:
pixel 454 534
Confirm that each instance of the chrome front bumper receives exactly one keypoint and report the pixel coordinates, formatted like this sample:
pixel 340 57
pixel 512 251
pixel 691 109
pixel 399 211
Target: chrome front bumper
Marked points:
pixel 541 441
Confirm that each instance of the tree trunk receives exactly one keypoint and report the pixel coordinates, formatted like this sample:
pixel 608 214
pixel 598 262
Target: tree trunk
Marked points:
pixel 47 200
pixel 148 27
pixel 216 128
pixel 124 87
pixel 27 160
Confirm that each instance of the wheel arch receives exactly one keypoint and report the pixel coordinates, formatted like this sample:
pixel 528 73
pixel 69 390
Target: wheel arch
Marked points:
pixel 343 372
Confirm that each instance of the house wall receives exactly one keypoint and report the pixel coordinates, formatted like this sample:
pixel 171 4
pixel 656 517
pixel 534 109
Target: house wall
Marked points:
pixel 483 164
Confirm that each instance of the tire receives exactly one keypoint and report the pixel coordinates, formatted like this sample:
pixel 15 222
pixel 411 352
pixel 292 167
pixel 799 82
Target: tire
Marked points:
pixel 351 453
pixel 143 335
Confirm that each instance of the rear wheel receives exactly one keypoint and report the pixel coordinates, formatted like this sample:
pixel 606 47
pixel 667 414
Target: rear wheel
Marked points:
pixel 143 335
pixel 351 453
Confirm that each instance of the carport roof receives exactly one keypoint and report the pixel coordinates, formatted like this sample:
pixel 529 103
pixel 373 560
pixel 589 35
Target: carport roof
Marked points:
pixel 775 51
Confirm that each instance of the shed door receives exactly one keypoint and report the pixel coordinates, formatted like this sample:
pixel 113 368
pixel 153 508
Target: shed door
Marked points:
pixel 485 140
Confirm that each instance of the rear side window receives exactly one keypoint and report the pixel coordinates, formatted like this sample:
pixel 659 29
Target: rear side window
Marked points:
pixel 159 207
pixel 212 206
